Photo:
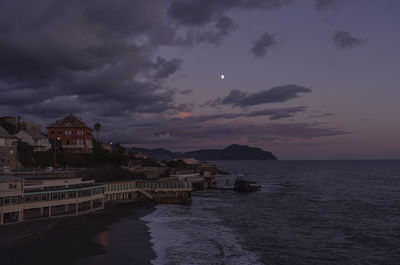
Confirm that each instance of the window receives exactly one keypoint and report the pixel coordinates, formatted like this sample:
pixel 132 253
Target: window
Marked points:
pixel 44 198
pixel 70 195
pixel 53 132
pixel 68 132
pixel 10 200
pixel 62 196
pixel 67 141
pixel 27 199
pixel 60 132
pixel 79 132
pixel 79 142
pixel 54 196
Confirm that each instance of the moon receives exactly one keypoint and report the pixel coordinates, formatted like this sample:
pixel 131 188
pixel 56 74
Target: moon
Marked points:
pixel 222 76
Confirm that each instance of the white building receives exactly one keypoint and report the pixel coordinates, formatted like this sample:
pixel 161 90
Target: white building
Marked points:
pixel 191 161
pixel 37 140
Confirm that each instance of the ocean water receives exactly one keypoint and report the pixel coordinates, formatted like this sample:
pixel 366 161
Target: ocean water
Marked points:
pixel 308 212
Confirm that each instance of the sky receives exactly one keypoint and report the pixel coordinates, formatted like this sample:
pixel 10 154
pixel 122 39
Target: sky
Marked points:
pixel 304 79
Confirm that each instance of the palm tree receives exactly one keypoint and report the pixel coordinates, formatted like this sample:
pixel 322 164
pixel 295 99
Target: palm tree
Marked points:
pixel 97 127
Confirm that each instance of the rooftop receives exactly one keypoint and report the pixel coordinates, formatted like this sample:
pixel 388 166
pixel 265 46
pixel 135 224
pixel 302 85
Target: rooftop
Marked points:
pixel 35 135
pixel 6 178
pixel 5 134
pixel 70 121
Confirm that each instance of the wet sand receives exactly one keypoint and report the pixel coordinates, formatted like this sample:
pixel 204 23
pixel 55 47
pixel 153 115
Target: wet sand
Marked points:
pixel 80 240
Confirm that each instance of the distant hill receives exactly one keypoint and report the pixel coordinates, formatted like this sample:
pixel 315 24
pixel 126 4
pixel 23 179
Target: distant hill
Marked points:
pixel 158 154
pixel 232 152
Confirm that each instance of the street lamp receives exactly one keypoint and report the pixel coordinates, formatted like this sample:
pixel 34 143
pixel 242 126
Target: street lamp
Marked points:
pixel 55 149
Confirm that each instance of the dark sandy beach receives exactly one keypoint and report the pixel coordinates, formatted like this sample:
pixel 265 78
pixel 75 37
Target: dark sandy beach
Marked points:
pixel 87 239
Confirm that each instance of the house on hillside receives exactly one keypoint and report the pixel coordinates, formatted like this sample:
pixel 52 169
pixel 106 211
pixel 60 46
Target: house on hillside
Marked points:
pixel 15 124
pixel 8 150
pixel 141 156
pixel 36 139
pixel 191 161
pixel 75 135
pixel 108 147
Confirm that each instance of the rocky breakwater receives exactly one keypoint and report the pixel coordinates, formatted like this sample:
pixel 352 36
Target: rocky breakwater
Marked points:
pixel 242 185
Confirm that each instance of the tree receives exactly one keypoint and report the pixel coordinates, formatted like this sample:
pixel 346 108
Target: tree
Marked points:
pixel 24 153
pixel 119 149
pixel 97 128
pixel 177 164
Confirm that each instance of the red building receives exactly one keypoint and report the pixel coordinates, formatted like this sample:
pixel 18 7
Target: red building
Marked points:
pixel 75 135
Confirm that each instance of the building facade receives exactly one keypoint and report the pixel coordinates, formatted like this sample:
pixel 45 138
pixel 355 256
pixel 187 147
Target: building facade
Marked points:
pixel 32 197
pixel 73 133
pixel 8 150
pixel 37 140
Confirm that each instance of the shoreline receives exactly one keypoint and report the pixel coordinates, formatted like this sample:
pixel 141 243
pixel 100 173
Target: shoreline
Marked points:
pixel 74 240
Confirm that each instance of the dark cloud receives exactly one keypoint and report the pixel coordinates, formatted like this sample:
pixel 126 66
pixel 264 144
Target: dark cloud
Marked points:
pixel 223 27
pixel 97 55
pixel 303 130
pixel 277 113
pixel 274 95
pixel 161 137
pixel 186 92
pixel 273 113
pixel 102 54
pixel 165 68
pixel 234 96
pixel 214 117
pixel 344 40
pixel 261 45
pixel 195 14
pixel 324 4
pixel 201 12
pixel 184 107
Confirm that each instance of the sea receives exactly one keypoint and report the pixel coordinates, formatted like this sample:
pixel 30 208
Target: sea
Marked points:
pixel 307 212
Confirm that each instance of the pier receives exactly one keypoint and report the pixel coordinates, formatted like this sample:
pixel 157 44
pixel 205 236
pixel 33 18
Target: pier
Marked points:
pixel 155 190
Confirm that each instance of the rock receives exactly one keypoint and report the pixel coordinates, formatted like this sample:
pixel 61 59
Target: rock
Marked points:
pixel 242 185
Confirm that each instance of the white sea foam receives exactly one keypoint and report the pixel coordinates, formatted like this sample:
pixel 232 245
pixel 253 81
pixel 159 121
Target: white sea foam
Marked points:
pixel 195 235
